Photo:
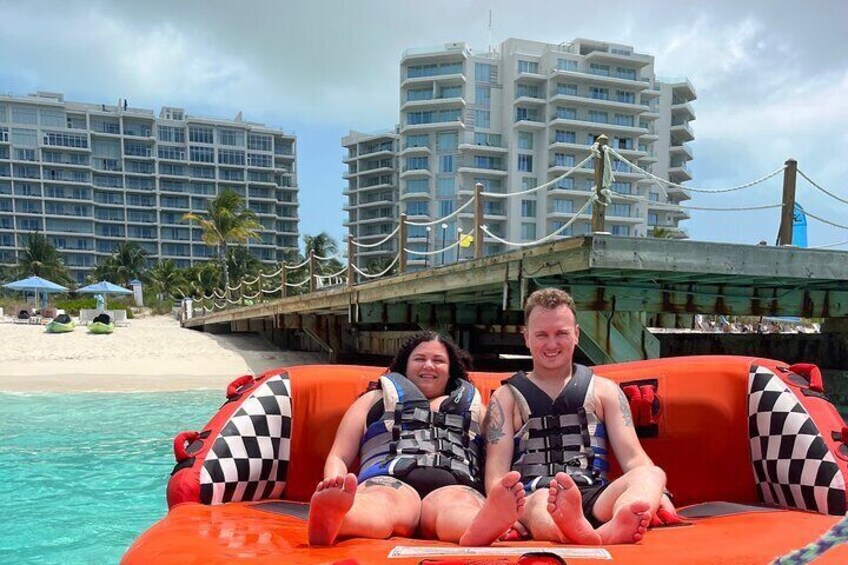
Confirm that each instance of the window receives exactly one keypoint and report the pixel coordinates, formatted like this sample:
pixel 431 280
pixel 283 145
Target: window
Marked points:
pixel 418 186
pixel 24 115
pixel 623 143
pixel 200 134
pixel 562 206
pixel 66 139
pixel 453 91
pixel 566 89
pixel 417 208
pixel 419 94
pixel 485 73
pixel 52 118
pixel 566 65
pixel 483 118
pixel 525 140
pixel 230 157
pixel 599 93
pixel 564 113
pixel 598 117
pixel 528 90
pixel 566 184
pixel 417 140
pixel 620 230
pixel 257 142
pixel 627 74
pixel 488 139
pixel 486 162
pixel 653 219
pixel 602 70
pixel 653 197
pixel 258 160
pixel 483 96
pixel 525 163
pixel 561 136
pixel 528 66
pixel 528 182
pixel 528 208
pixel 446 208
pixel 414 163
pixel 528 231
pixel 625 96
pixel 201 154
pixel 416 71
pixel 446 186
pixel 563 160
pixel 172 134
pixel 232 137
pixel 169 152
pixel 446 163
pixel 622 210
pixel 446 141
pixel 528 114
pixel 622 187
pixel 623 120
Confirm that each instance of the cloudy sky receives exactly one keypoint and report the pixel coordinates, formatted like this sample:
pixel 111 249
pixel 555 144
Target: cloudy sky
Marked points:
pixel 771 77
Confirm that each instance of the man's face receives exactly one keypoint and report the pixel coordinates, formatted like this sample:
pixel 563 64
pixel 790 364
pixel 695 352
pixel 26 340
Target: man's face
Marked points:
pixel 551 336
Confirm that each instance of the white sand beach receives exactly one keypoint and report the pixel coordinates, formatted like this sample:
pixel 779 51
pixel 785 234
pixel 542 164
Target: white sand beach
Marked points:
pixel 151 354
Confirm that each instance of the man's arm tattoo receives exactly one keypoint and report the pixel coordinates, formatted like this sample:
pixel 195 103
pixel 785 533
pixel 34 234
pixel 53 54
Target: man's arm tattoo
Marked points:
pixel 625 409
pixel 494 422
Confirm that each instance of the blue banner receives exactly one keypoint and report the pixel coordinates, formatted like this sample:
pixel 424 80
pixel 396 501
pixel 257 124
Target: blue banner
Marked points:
pixel 799 227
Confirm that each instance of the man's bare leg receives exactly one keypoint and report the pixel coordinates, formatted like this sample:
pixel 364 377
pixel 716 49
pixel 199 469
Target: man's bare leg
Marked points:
pixel 379 508
pixel 565 505
pixel 627 504
pixel 504 504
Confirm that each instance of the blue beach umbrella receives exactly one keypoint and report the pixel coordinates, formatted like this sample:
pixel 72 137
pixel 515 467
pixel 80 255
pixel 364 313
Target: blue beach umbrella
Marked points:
pixel 37 285
pixel 104 288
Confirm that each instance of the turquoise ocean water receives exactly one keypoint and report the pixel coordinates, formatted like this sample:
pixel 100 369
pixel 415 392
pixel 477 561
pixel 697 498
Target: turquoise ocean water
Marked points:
pixel 84 474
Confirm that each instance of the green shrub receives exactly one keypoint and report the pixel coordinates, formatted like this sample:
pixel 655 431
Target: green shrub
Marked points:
pixel 72 306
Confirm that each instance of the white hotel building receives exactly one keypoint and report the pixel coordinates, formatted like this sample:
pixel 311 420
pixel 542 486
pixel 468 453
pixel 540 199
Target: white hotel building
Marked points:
pixel 90 176
pixel 513 119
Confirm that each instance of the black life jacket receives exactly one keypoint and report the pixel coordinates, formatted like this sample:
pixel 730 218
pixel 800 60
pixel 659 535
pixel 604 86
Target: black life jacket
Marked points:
pixel 409 435
pixel 561 435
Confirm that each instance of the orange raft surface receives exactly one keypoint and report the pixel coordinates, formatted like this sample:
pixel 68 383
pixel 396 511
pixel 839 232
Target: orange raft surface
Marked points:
pixel 755 455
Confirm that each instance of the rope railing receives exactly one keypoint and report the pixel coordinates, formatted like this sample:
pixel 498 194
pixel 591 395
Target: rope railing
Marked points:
pixel 376 275
pixel 618 156
pixel 550 183
pixel 548 237
pixel 441 220
pixel 379 243
pixel 821 188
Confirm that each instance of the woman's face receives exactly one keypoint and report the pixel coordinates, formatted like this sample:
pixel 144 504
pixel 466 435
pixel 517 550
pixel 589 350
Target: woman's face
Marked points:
pixel 429 368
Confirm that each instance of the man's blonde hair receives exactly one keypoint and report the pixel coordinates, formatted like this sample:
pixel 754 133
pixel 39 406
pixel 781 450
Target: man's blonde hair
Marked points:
pixel 549 299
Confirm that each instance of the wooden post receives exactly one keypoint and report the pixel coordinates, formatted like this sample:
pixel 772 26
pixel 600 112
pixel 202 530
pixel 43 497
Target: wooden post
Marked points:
pixel 478 220
pixel 402 244
pixel 599 212
pixel 787 215
pixel 283 277
pixel 350 259
pixel 312 284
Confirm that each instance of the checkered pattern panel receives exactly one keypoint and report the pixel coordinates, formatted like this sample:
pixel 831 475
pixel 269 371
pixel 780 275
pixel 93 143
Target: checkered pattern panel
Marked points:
pixel 792 464
pixel 250 457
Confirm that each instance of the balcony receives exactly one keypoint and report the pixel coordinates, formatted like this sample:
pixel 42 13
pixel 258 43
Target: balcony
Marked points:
pixel 682 151
pixel 601 79
pixel 681 132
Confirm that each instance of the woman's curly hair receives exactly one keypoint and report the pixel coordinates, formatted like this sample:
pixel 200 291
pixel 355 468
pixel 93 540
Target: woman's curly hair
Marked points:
pixel 459 360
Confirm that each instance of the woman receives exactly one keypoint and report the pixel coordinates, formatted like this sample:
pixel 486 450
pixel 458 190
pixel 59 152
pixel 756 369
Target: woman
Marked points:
pixel 416 436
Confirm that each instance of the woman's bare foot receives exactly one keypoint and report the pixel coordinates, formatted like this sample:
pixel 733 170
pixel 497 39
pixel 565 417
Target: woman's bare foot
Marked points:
pixel 628 524
pixel 330 502
pixel 503 506
pixel 565 506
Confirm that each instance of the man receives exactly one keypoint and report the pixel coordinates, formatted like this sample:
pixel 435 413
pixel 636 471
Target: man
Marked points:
pixel 552 426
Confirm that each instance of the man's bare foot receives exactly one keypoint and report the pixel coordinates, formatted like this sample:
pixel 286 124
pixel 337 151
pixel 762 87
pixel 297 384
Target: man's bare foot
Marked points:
pixel 565 506
pixel 628 524
pixel 503 506
pixel 330 502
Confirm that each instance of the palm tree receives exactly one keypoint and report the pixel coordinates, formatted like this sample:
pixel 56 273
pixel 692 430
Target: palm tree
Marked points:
pixel 126 263
pixel 661 233
pixel 199 279
pixel 241 263
pixel 322 245
pixel 225 222
pixel 40 258
pixel 164 278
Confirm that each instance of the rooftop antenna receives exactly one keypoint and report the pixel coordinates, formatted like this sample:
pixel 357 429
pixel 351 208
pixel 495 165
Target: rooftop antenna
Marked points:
pixel 490 31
